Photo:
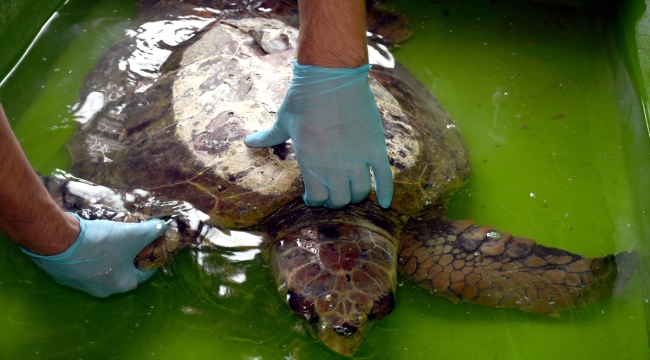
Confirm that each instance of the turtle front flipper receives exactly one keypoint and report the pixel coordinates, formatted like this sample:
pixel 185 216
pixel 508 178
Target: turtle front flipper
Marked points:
pixel 95 202
pixel 479 265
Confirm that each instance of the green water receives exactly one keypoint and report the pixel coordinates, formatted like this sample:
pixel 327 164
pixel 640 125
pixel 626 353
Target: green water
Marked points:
pixel 537 98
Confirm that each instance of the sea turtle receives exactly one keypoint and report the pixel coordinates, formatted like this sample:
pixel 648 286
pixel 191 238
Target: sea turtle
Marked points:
pixel 164 114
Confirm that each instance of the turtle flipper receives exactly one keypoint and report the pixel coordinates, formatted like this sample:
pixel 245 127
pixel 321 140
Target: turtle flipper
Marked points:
pixel 94 202
pixel 464 262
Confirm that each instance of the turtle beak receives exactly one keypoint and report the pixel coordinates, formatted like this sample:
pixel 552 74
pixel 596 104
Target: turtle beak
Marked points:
pixel 345 334
pixel 341 331
pixel 344 338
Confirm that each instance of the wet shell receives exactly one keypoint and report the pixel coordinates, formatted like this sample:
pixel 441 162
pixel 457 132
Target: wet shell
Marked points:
pixel 181 134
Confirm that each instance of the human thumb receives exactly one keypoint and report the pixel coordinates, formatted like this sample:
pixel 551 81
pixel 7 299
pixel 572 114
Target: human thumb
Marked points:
pixel 133 237
pixel 267 137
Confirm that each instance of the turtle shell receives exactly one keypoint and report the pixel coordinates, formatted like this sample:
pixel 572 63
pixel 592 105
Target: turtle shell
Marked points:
pixel 177 131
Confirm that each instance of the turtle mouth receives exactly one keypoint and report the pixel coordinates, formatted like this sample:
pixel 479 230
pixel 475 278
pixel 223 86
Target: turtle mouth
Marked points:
pixel 341 332
pixel 344 338
pixel 345 329
pixel 330 328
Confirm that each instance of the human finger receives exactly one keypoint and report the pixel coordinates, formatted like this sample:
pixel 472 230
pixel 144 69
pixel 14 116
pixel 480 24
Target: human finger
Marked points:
pixel 267 137
pixel 142 275
pixel 138 236
pixel 339 191
pixel 360 183
pixel 316 193
pixel 383 183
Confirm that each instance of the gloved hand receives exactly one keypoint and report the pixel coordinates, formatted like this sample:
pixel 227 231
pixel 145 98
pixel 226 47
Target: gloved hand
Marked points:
pixel 332 117
pixel 100 262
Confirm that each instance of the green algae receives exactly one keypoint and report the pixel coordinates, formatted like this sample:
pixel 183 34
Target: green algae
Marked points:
pixel 536 94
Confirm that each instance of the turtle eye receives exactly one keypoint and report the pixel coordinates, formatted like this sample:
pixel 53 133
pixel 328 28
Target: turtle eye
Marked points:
pixel 382 307
pixel 302 307
pixel 345 329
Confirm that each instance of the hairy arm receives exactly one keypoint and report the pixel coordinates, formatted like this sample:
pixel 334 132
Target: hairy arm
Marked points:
pixel 28 215
pixel 332 33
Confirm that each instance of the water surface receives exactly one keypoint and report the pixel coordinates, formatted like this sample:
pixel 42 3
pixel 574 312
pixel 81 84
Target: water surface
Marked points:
pixel 535 93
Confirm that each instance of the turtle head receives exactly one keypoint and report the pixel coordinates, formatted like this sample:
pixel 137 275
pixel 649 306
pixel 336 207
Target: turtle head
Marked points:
pixel 341 328
pixel 338 278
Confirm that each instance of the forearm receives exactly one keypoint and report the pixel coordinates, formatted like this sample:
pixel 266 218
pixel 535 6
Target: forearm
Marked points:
pixel 332 33
pixel 28 215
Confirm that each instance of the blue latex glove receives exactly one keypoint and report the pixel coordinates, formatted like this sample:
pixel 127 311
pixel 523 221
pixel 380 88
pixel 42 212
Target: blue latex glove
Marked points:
pixel 100 262
pixel 332 117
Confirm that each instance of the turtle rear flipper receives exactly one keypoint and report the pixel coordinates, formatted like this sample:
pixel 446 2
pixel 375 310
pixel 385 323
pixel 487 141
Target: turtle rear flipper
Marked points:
pixel 463 262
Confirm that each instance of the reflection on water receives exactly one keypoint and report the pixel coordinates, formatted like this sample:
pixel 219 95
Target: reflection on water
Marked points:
pixel 246 320
pixel 153 40
pixel 88 108
pixel 235 239
pixel 141 66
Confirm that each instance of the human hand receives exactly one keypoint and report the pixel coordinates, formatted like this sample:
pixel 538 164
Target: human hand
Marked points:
pixel 332 117
pixel 100 262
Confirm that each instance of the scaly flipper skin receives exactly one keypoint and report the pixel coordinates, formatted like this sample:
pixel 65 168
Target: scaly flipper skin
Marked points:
pixel 92 202
pixel 463 262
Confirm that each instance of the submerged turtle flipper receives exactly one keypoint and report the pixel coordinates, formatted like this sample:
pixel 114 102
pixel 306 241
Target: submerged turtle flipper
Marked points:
pixel 94 202
pixel 464 262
